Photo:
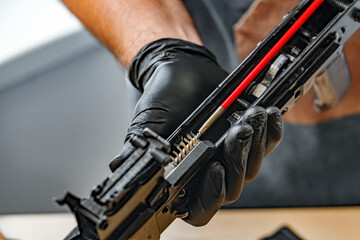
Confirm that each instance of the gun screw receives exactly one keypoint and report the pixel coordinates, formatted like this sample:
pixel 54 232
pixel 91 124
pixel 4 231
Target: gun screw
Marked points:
pixel 166 209
pixel 182 193
pixel 103 224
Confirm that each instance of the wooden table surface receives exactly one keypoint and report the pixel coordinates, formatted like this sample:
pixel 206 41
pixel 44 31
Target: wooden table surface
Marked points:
pixel 309 223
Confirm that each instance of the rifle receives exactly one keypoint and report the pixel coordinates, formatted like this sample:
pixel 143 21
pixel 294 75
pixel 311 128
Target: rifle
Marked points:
pixel 147 192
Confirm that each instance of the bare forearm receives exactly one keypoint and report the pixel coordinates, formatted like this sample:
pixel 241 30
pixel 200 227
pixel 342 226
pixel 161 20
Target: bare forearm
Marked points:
pixel 125 26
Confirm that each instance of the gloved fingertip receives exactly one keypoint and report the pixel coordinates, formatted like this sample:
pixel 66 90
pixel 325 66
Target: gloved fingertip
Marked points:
pixel 275 116
pixel 236 141
pixel 273 110
pixel 275 129
pixel 255 116
pixel 250 176
pixel 240 132
pixel 127 150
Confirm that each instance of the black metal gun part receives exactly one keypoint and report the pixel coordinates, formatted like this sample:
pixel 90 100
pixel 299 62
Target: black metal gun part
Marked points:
pixel 146 193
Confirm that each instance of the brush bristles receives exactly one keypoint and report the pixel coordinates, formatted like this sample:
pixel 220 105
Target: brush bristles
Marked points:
pixel 188 143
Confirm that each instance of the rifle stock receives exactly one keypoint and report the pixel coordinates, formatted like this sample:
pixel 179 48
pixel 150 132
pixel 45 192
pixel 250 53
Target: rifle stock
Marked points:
pixel 148 191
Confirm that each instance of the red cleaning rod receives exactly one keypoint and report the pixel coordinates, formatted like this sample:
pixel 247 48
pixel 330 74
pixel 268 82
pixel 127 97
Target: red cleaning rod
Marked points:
pixel 261 65
pixel 275 49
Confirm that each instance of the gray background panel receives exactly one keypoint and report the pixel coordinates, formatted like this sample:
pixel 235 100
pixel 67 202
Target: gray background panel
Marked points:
pixel 59 129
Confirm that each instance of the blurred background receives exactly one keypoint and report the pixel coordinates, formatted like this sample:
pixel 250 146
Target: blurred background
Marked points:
pixel 64 107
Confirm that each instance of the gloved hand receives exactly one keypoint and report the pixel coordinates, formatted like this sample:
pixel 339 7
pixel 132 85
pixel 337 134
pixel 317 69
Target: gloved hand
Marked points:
pixel 175 76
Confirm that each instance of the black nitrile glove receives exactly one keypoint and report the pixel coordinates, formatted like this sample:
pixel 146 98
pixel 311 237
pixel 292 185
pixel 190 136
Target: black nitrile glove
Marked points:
pixel 238 163
pixel 175 76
